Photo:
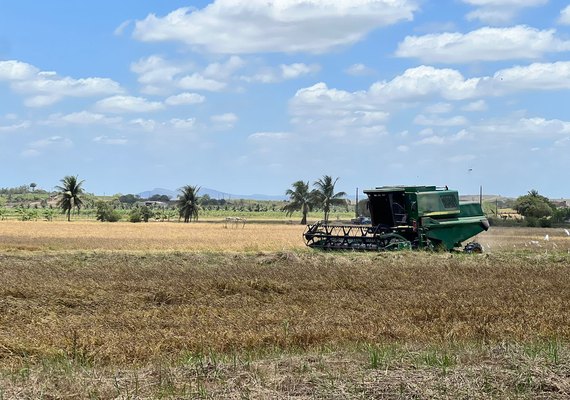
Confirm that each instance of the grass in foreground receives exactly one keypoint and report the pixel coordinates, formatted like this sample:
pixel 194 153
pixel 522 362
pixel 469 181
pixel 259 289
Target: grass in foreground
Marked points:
pixel 278 324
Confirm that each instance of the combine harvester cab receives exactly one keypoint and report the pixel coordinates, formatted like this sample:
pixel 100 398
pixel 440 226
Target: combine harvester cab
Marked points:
pixel 418 217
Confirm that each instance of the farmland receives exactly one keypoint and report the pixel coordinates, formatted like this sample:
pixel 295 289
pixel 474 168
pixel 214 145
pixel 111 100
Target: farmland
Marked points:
pixel 169 310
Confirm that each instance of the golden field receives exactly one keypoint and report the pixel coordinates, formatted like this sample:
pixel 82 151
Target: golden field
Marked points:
pixel 152 236
pixel 168 310
pixel 216 237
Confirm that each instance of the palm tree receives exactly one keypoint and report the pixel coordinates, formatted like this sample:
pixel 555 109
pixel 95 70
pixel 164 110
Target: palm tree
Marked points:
pixel 325 197
pixel 188 203
pixel 69 193
pixel 300 199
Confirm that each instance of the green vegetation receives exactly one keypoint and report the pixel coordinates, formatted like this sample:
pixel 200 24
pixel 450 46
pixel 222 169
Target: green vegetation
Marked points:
pixel 300 200
pixel 70 193
pixel 325 197
pixel 188 203
pixel 105 212
pixel 322 197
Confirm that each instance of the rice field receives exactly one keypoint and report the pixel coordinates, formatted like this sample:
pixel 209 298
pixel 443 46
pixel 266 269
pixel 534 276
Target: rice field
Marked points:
pixel 171 310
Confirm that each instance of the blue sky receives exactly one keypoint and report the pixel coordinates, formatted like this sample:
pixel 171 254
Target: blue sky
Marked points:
pixel 248 96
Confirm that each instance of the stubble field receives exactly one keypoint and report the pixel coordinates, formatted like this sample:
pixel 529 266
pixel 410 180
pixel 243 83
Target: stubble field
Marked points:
pixel 93 310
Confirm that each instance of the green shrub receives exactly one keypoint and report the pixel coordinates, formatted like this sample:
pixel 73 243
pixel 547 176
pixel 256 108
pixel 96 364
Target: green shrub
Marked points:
pixel 106 213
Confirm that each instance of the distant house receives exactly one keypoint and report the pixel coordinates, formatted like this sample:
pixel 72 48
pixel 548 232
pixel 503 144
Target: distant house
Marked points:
pixel 560 204
pixel 153 204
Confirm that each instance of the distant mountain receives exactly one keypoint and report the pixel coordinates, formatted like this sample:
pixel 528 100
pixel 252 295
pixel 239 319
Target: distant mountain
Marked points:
pixel 214 194
pixel 149 193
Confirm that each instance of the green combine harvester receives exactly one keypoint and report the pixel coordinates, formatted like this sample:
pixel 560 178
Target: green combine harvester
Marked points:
pixel 406 217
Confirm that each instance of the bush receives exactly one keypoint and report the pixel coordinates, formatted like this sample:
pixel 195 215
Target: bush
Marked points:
pixel 531 222
pixel 135 215
pixel 106 213
pixel 545 222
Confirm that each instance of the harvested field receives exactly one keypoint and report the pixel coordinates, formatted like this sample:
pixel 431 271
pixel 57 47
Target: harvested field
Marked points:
pixel 172 236
pixel 117 313
pixel 155 236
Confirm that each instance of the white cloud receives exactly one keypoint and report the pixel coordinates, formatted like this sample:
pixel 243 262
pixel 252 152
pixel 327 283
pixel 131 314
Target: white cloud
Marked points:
pixel 13 70
pixel 499 11
pixel 424 82
pixel 80 118
pixel 254 26
pixel 441 139
pixel 110 141
pixel 359 70
pixel 293 71
pixel 198 82
pixel 224 121
pixel 148 125
pixel 439 108
pixel 224 70
pixel 15 127
pixel 269 136
pixel 565 16
pixel 28 153
pixel 537 76
pixel 183 124
pixel 284 72
pixel 127 104
pixel 337 113
pixel 154 72
pixel 38 147
pixel 119 30
pixel 535 127
pixel 185 99
pixel 479 105
pixel 46 88
pixel 485 44
pixel 435 121
pixel 403 148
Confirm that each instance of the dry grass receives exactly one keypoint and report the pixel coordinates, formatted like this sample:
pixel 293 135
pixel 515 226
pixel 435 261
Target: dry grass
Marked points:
pixel 85 235
pixel 157 310
pixel 199 237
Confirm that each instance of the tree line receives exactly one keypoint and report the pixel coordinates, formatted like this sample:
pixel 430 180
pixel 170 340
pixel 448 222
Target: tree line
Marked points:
pixel 188 203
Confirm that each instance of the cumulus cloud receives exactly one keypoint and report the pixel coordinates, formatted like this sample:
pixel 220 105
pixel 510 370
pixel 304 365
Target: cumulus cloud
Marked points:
pixel 199 82
pixel 80 118
pixel 337 112
pixel 534 127
pixel 499 11
pixel 161 76
pixel 423 82
pixel 359 70
pixel 45 88
pixel 155 73
pixel 319 108
pixel 224 121
pixel 436 121
pixel 127 104
pixel 474 106
pixel 439 108
pixel 565 16
pixel 13 70
pixel 185 99
pixel 485 44
pixel 284 72
pixel 255 26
